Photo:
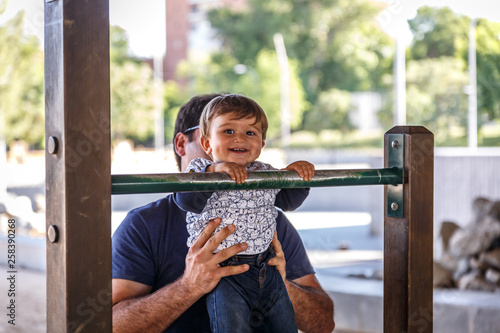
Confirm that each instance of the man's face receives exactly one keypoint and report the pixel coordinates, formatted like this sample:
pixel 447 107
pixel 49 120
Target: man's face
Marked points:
pixel 233 140
pixel 192 149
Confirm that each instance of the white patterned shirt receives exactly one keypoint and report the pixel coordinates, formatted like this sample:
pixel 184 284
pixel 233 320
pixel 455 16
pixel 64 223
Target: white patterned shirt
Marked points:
pixel 253 212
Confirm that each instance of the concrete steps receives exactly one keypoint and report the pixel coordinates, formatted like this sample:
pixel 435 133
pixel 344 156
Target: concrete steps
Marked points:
pixel 359 308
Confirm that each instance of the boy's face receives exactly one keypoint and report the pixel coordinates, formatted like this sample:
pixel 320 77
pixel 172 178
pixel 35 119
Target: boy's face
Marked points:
pixel 233 140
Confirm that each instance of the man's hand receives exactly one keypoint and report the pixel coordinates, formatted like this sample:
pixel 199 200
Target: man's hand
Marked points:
pixel 303 168
pixel 278 261
pixel 235 171
pixel 135 309
pixel 202 271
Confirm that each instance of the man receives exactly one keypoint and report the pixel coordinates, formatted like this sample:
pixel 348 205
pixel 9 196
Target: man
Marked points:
pixel 160 285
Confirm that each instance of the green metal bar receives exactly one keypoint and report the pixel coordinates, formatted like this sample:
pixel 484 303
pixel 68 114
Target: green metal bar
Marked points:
pixel 187 182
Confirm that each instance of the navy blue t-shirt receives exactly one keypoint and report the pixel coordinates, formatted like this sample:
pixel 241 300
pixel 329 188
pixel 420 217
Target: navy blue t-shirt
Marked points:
pixel 149 247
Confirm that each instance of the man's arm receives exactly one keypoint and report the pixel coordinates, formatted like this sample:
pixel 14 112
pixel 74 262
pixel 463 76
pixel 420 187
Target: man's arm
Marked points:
pixel 191 201
pixel 312 306
pixel 135 310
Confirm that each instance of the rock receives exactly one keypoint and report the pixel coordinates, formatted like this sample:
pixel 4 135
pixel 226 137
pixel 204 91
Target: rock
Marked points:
pixel 491 258
pixel 493 276
pixel 481 207
pixel 40 202
pixel 494 211
pixel 448 262
pixel 471 254
pixel 344 246
pixel 447 230
pixel 495 244
pixel 475 281
pixel 378 274
pixel 476 263
pixel 474 238
pixel 18 205
pixel 463 267
pixel 442 277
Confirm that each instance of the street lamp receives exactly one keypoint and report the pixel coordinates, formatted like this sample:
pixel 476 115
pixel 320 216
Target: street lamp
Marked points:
pixel 279 44
pixel 472 88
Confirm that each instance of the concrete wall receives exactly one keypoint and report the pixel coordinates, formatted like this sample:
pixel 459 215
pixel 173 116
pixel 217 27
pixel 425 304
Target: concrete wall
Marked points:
pixel 359 308
pixel 460 176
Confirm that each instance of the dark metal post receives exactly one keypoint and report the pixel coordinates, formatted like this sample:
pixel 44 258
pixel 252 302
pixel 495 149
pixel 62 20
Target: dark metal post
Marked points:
pixel 78 180
pixel 408 240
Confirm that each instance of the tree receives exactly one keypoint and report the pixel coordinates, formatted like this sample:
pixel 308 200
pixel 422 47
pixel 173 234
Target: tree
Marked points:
pixel 223 73
pixel 488 69
pixel 438 32
pixel 21 83
pixel 132 102
pixel 434 95
pixel 336 43
pixel 330 112
pixel 132 92
pixel 174 96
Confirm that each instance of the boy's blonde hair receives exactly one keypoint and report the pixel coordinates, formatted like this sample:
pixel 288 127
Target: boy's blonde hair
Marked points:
pixel 238 105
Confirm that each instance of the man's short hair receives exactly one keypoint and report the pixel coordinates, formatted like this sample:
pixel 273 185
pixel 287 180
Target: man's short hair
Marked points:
pixel 237 105
pixel 189 117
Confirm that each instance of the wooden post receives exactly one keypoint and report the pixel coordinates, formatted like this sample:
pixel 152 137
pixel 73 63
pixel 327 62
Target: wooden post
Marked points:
pixel 78 179
pixel 408 240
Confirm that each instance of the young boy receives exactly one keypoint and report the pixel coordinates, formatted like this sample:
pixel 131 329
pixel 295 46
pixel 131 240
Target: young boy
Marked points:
pixel 233 131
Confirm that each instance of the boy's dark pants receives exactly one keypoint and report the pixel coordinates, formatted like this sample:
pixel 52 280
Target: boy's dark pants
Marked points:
pixel 253 301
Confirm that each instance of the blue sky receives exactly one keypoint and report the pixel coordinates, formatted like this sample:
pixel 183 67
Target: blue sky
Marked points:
pixel 144 22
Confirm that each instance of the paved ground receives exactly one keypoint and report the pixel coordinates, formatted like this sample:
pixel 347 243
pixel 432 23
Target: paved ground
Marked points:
pixel 29 298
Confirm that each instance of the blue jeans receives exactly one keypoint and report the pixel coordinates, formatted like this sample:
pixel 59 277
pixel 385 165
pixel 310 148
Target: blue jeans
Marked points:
pixel 253 301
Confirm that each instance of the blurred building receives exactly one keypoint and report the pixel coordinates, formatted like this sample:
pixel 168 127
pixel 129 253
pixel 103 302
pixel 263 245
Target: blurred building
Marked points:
pixel 189 33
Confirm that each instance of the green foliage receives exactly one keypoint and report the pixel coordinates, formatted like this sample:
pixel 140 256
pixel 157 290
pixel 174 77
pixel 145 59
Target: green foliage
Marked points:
pixel 356 60
pixel 132 101
pixel 118 45
pixel 21 84
pixel 174 96
pixel 488 69
pixel 261 83
pixel 3 6
pixel 435 97
pixel 134 97
pixel 335 42
pixel 22 88
pixel 438 32
pixel 330 112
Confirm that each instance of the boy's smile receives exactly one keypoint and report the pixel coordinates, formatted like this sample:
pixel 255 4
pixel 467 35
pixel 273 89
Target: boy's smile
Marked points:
pixel 233 140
